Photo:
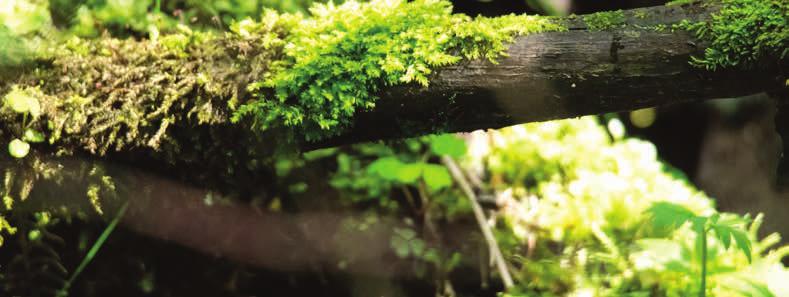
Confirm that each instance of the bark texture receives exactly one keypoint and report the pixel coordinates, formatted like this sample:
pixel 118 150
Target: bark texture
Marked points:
pixel 556 75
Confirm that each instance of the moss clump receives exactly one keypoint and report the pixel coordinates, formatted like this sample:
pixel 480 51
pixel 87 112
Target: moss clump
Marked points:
pixel 744 33
pixel 605 20
pixel 163 104
pixel 336 61
pixel 166 103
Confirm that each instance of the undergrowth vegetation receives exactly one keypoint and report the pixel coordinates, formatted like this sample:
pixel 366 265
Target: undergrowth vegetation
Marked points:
pixel 577 210
pixel 620 224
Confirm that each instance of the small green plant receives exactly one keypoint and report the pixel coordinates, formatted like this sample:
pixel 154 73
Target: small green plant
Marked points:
pixel 435 176
pixel 24 102
pixel 670 216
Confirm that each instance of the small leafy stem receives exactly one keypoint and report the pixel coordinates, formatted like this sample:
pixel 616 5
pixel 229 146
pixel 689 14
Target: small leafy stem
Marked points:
pixel 669 217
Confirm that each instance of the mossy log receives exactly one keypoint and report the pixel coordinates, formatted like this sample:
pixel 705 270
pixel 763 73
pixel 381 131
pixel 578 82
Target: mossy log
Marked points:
pixel 634 62
pixel 638 63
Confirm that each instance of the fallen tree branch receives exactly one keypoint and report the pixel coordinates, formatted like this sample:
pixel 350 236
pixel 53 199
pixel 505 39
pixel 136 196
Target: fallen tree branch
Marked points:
pixel 556 75
pixel 639 63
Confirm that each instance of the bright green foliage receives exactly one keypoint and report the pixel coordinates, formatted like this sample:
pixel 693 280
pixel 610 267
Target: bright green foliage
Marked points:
pixel 744 33
pixel 448 144
pixel 403 180
pixel 434 176
pixel 24 28
pixel 18 148
pixel 336 61
pixel 669 216
pixel 390 170
pixel 605 20
pixel 141 17
pixel 572 225
pixel 584 219
pixel 672 216
pixel 22 102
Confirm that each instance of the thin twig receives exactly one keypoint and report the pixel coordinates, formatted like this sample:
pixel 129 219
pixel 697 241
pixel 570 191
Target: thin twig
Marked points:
pixel 457 174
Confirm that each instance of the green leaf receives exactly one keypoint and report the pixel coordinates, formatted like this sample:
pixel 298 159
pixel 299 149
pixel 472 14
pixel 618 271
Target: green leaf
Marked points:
pixel 409 173
pixel 405 233
pixel 33 136
pixel 723 234
pixel 417 246
pixel 669 216
pixel 436 177
pixel 431 256
pixel 400 246
pixel 21 102
pixel 18 148
pixel 448 145
pixel 386 168
pixel 743 242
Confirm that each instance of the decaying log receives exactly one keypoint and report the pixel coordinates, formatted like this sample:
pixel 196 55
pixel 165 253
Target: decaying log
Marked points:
pixel 559 75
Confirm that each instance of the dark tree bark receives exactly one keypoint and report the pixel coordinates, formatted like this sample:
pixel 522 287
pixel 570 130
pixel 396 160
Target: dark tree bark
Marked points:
pixel 562 75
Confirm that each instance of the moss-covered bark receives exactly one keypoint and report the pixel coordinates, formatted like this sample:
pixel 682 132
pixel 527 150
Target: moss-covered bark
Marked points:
pixel 167 104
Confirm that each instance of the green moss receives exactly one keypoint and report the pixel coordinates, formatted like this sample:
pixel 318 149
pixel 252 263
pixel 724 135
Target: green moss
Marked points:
pixel 744 33
pixel 680 2
pixel 169 100
pixel 166 101
pixel 337 60
pixel 605 20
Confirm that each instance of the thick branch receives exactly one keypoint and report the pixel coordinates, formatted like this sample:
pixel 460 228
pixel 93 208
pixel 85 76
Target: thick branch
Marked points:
pixel 562 75
pixel 546 76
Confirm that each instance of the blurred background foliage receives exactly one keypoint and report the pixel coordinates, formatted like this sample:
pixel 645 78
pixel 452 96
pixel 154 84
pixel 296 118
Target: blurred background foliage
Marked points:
pixel 567 200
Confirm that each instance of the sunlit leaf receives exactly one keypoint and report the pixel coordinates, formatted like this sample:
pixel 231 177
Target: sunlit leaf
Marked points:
pixel 386 168
pixel 33 136
pixel 743 242
pixel 21 102
pixel 436 177
pixel 409 173
pixel 666 215
pixel 18 148
pixel 724 234
pixel 448 145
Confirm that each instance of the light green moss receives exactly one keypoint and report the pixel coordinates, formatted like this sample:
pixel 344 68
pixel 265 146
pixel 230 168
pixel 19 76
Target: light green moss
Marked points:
pixel 170 99
pixel 744 33
pixel 336 61
pixel 605 20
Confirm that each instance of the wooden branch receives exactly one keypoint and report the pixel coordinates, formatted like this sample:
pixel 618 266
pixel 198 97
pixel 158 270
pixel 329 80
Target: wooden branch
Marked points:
pixel 546 76
pixel 563 75
pixel 479 215
pixel 640 63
